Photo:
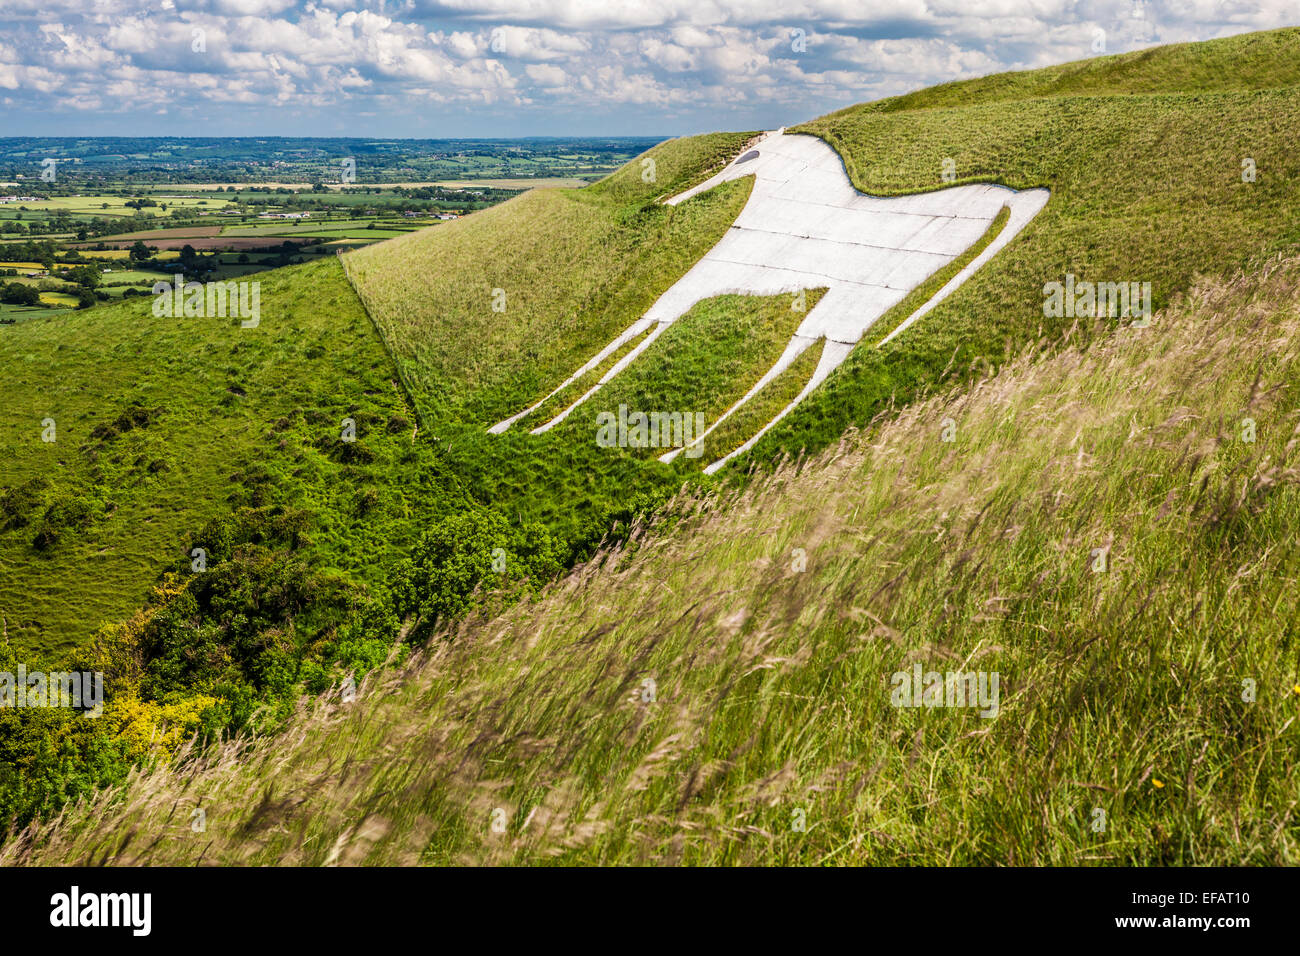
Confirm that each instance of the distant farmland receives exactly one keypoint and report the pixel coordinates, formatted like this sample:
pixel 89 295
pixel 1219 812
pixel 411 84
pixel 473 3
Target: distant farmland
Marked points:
pixel 177 232
pixel 197 242
pixel 253 236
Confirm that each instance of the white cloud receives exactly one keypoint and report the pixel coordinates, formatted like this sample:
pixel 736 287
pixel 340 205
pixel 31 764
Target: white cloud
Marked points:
pixel 718 58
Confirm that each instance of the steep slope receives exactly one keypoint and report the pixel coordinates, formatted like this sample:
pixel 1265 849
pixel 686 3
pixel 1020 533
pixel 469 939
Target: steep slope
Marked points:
pixel 161 424
pixel 1162 165
pixel 1110 530
pixel 569 264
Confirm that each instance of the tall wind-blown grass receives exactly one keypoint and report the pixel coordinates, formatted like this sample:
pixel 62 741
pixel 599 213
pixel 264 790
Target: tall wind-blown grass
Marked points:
pixel 695 698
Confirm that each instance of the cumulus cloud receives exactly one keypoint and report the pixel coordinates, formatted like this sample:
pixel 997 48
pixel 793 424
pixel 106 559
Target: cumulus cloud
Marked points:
pixel 717 61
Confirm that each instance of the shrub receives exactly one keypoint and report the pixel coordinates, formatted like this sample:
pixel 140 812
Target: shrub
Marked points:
pixel 19 503
pixel 466 552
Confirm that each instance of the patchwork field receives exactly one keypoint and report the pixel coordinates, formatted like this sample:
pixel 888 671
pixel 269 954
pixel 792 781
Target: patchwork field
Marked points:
pixel 178 232
pixel 261 235
pixel 163 254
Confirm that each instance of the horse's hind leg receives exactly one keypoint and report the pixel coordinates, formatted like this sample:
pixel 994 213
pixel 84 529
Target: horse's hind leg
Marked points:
pixel 631 332
pixel 832 355
pixel 617 367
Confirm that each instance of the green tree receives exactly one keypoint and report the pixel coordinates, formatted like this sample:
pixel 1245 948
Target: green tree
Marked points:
pixel 85 276
pixel 17 293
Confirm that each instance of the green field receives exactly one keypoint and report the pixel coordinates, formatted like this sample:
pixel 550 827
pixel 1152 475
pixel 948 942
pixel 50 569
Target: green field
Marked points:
pixel 59 299
pixel 335 230
pixel 108 205
pixel 109 254
pixel 21 313
pixel 140 276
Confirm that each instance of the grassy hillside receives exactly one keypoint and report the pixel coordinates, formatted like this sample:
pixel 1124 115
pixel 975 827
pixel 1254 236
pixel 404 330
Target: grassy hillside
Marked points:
pixel 1122 688
pixel 321 554
pixel 1143 153
pixel 221 519
pixel 1250 61
pixel 721 691
pixel 162 424
pixel 576 267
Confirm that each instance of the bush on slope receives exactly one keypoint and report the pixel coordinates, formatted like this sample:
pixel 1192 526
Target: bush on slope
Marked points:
pixel 203 534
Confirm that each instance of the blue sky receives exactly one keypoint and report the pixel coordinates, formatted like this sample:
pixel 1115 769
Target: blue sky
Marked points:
pixel 434 68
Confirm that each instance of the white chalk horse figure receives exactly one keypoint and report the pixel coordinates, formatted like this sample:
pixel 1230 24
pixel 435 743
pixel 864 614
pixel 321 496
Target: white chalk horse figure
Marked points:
pixel 804 227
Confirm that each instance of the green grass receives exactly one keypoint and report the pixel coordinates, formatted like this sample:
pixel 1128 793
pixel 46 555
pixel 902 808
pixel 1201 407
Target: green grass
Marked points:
pixel 692 699
pixel 563 398
pixel 704 363
pixel 763 407
pixel 242 413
